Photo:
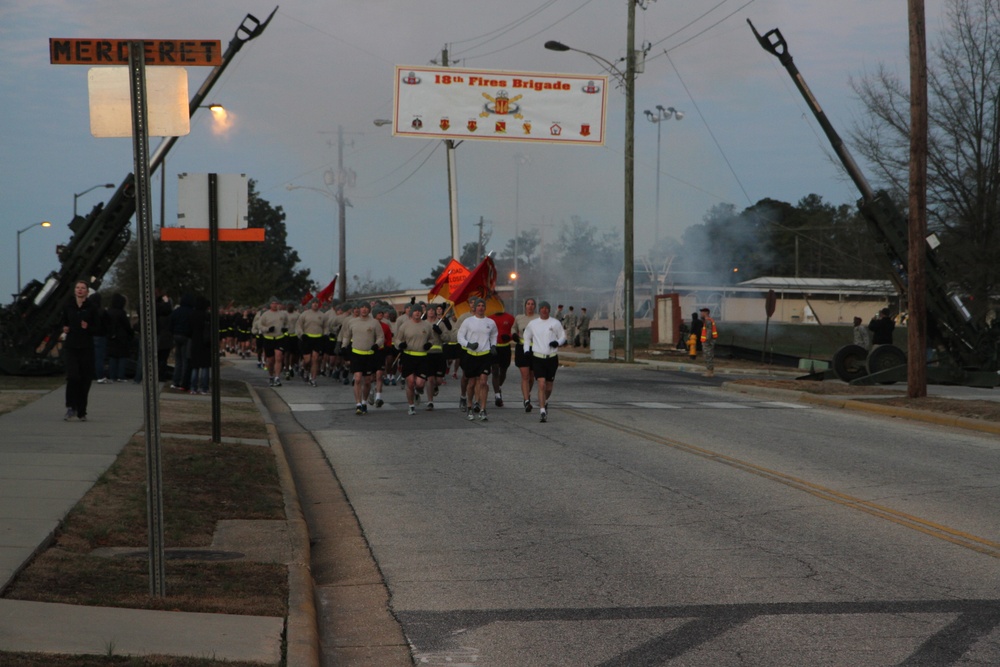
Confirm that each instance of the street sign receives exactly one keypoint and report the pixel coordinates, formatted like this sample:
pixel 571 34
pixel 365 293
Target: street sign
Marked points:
pixel 177 52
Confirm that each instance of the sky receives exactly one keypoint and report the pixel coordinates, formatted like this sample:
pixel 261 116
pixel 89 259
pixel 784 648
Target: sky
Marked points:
pixel 321 65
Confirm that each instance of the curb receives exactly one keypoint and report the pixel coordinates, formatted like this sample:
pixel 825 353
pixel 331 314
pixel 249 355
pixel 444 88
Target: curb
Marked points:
pixel 302 630
pixel 874 407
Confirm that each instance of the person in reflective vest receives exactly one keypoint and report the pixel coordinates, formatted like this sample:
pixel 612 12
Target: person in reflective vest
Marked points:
pixel 709 333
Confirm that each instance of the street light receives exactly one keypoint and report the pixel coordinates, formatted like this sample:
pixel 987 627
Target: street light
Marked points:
pixel 629 240
pixel 44 223
pixel 658 118
pixel 80 194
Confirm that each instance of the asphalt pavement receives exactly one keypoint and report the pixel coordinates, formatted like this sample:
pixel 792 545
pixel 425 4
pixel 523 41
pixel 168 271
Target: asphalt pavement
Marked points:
pixel 48 464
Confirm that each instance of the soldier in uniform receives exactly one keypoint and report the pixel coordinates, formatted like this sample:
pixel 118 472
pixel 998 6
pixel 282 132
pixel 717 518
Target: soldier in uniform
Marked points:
pixel 363 336
pixel 522 360
pixel 311 330
pixel 542 338
pixel 583 328
pixel 569 325
pixel 273 326
pixel 413 342
pixel 478 336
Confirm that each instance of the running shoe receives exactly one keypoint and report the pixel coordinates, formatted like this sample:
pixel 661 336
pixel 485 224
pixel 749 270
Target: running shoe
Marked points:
pixel 430 407
pixel 371 396
pixel 498 401
pixel 364 409
pixel 543 415
pixel 70 413
pixel 482 416
pixel 413 411
pixel 277 381
pixel 379 402
pixel 358 411
pixel 312 383
pixel 471 416
pixel 462 404
pixel 527 406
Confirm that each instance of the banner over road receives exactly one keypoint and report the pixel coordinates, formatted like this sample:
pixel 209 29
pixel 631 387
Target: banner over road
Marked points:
pixel 454 103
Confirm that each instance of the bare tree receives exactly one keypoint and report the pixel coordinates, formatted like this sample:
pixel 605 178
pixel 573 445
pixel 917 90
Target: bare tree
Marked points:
pixel 963 191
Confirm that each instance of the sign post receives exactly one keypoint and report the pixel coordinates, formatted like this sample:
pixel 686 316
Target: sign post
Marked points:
pixel 136 54
pixel 147 319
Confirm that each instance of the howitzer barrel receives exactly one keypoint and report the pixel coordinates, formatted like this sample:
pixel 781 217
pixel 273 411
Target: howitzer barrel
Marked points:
pixel 773 42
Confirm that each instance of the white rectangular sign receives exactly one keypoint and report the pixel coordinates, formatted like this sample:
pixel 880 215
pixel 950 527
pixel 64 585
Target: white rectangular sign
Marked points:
pixel 453 103
pixel 192 201
pixel 111 101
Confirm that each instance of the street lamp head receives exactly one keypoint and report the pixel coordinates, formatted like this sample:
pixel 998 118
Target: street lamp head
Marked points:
pixel 659 107
pixel 45 223
pixel 553 45
pixel 649 114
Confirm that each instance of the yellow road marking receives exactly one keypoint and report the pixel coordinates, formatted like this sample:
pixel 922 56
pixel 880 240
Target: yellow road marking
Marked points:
pixel 936 530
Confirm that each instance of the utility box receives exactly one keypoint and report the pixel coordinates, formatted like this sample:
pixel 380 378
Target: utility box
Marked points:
pixel 600 343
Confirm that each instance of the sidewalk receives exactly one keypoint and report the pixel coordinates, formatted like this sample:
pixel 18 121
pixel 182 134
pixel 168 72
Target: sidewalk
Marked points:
pixel 46 466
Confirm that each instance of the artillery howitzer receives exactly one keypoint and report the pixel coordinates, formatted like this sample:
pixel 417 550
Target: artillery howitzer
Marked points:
pixel 28 327
pixel 966 351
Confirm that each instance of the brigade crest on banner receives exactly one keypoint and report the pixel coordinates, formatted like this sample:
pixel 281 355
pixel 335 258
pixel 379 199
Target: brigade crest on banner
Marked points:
pixel 501 127
pixel 417 124
pixel 472 125
pixel 591 89
pixel 445 124
pixel 585 129
pixel 502 105
pixel 411 79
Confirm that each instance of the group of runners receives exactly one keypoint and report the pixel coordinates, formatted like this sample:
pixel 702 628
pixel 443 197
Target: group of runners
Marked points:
pixel 368 345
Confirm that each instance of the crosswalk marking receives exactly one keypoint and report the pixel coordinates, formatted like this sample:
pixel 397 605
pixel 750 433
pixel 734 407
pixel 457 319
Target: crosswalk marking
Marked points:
pixel 582 405
pixel 655 406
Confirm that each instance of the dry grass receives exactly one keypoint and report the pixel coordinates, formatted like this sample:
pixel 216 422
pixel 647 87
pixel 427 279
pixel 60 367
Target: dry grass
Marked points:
pixel 203 483
pixel 985 410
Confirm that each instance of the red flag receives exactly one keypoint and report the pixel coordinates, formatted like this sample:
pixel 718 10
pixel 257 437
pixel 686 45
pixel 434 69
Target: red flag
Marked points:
pixel 482 282
pixel 307 298
pixel 453 275
pixel 326 293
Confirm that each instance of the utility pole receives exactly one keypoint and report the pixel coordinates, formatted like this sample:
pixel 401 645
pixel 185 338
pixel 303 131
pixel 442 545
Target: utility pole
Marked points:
pixel 479 245
pixel 452 180
pixel 629 268
pixel 916 343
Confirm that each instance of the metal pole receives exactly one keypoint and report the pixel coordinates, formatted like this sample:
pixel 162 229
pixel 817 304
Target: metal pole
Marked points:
pixel 342 204
pixel 629 268
pixel 517 226
pixel 19 263
pixel 452 180
pixel 659 123
pixel 147 319
pixel 453 196
pixel 213 251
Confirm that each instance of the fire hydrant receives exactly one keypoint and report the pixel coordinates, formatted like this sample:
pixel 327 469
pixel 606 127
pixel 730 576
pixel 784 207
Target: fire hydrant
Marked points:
pixel 693 346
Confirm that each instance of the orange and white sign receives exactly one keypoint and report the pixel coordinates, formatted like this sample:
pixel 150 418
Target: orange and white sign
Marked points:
pixel 453 103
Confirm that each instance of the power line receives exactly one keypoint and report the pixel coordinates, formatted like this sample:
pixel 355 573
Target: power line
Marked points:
pixel 533 35
pixel 436 145
pixel 493 34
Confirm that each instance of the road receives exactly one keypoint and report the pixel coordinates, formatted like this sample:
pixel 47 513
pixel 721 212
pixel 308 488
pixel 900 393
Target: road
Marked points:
pixel 657 519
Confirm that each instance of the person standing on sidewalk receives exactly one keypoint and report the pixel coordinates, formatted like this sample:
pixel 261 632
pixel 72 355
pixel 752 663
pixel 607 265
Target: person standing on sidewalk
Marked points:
pixel 709 333
pixel 180 327
pixel 78 316
pixel 542 338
